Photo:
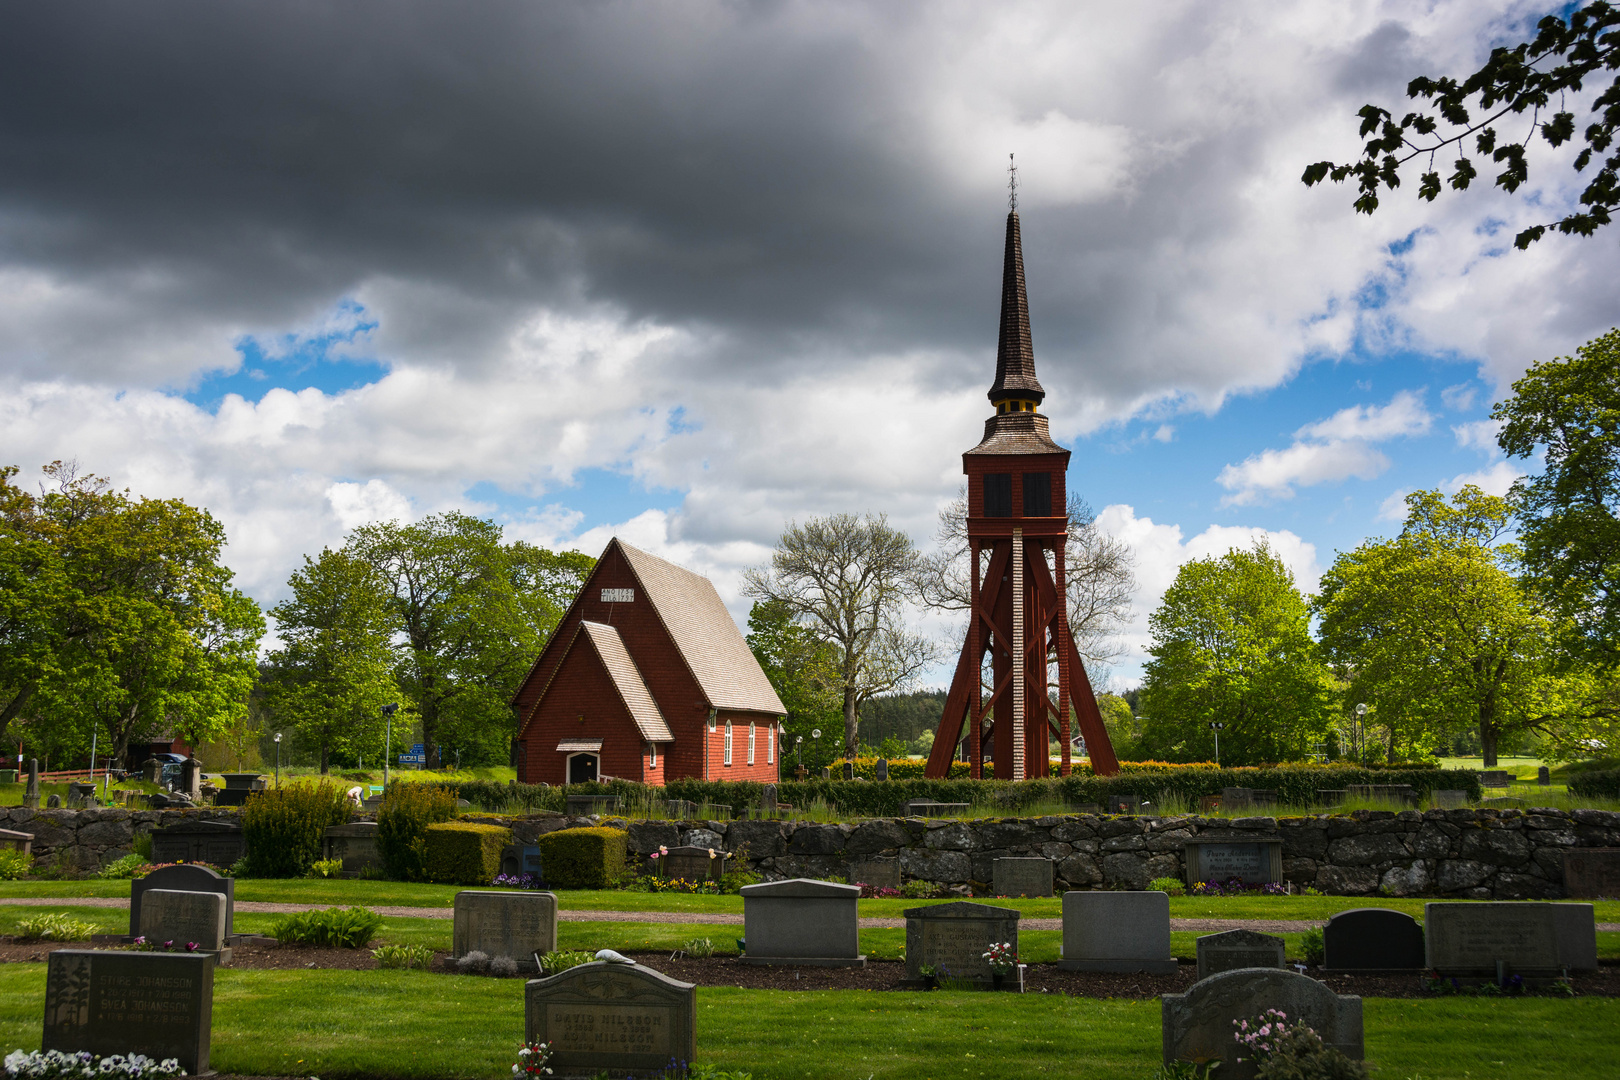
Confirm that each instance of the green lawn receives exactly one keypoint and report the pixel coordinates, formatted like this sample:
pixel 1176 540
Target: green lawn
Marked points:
pixel 413 1024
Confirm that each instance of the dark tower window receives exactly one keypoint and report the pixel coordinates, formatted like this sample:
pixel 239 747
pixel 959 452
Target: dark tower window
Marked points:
pixel 1037 494
pixel 998 494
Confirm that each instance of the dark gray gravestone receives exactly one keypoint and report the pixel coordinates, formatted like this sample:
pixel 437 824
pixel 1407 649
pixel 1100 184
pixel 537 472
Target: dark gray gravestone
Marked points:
pixel 184 918
pixel 692 863
pixel 54 802
pixel 354 844
pixel 1372 939
pixel 1236 949
pixel 1544 776
pixel 216 842
pixel 514 924
pixel 801 921
pixel 1236 798
pixel 1022 877
pixel 31 792
pixel 849 770
pixel 1592 873
pixel 618 1019
pixel 954 937
pixel 1117 931
pixel 1450 798
pixel 1254 860
pixel 1197 1025
pixel 881 769
pixel 183 879
pixel 157 1004
pixel 1124 804
pixel 1537 940
pixel 767 800
pixel 879 873
pixel 518 859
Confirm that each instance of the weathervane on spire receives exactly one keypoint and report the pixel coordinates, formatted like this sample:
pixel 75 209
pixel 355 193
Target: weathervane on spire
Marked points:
pixel 1012 184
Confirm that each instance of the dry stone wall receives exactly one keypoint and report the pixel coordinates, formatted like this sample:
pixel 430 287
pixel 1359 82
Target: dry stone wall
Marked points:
pixel 80 842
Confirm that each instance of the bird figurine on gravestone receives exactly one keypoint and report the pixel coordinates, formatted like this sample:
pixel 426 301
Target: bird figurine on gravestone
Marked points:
pixel 612 957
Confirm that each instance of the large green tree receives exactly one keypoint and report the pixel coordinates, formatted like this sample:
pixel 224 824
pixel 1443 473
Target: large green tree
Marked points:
pixel 1435 632
pixel 1232 645
pixel 804 671
pixel 1569 514
pixel 335 669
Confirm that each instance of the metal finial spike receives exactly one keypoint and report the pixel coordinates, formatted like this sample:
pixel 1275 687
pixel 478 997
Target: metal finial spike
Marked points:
pixel 1012 184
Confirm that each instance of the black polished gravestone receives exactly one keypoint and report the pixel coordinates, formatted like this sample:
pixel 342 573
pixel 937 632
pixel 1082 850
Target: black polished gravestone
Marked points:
pixel 157 1004
pixel 1372 939
pixel 216 842
pixel 182 879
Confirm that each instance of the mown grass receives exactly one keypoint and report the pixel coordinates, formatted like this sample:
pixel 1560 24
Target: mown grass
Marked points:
pixel 411 1024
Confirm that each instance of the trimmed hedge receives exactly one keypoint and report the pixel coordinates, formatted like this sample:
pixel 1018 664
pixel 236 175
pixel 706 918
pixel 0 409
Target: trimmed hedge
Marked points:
pixel 402 822
pixel 457 854
pixel 1597 784
pixel 283 827
pixel 583 858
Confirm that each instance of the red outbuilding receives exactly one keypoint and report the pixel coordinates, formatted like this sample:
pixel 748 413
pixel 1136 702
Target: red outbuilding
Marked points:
pixel 647 678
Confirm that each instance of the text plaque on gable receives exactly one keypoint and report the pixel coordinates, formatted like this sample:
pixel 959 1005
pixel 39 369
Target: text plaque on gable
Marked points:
pixel 618 596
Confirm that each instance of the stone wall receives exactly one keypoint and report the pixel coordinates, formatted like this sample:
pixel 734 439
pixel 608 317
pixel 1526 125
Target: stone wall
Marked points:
pixel 1467 853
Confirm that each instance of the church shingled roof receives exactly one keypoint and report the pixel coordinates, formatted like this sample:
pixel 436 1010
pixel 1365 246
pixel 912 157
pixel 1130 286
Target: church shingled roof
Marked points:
pixel 627 681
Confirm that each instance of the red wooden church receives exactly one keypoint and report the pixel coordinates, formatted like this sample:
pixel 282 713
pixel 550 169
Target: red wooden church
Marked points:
pixel 647 678
pixel 1017 527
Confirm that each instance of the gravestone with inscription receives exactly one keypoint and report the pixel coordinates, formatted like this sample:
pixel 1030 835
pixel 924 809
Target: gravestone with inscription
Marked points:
pixel 1537 940
pixel 1197 1025
pixel 216 842
pixel 1450 798
pixel 849 770
pixel 619 1019
pixel 182 879
pixel 880 769
pixel 1592 873
pixel 1372 939
pixel 185 918
pixel 1022 877
pixel 1255 860
pixel 1235 949
pixel 880 873
pixel 801 921
pixel 157 1004
pixel 692 863
pixel 953 938
pixel 355 844
pixel 1117 931
pixel 512 924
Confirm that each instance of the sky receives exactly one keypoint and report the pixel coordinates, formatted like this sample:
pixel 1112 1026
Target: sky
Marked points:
pixel 683 273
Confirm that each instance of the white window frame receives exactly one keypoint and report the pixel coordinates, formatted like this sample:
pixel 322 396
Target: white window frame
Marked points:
pixel 726 760
pixel 652 755
pixel 750 742
pixel 770 744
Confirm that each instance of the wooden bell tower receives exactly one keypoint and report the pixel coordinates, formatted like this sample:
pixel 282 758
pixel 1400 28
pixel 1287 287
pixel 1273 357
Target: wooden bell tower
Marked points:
pixel 1017 525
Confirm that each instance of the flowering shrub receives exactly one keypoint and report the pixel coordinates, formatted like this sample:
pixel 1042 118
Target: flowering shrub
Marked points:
pixel 531 1060
pixel 874 892
pixel 1002 957
pixel 518 881
pixel 57 1065
pixel 140 944
pixel 1291 1051
pixel 649 884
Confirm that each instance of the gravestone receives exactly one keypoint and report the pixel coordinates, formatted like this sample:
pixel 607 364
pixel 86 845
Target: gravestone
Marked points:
pixel 1450 798
pixel 801 921
pixel 1235 949
pixel 1197 1025
pixel 513 924
pixel 618 1019
pixel 954 937
pixel 1496 778
pixel 1592 873
pixel 80 795
pixel 184 918
pixel 1331 796
pixel 1372 939
pixel 1124 804
pixel 878 873
pixel 691 863
pixel 181 879
pixel 1263 796
pixel 520 859
pixel 113 1002
pixel 151 770
pixel 587 805
pixel 881 769
pixel 216 842
pixel 31 792
pixel 849 770
pixel 9 776
pixel 826 772
pixel 932 809
pixel 12 840
pixel 1544 776
pixel 191 778
pixel 1022 877
pixel 355 844
pixel 238 786
pixel 1537 940
pixel 1401 794
pixel 767 800
pixel 1117 931
pixel 1254 860
pixel 1236 798
pixel 54 802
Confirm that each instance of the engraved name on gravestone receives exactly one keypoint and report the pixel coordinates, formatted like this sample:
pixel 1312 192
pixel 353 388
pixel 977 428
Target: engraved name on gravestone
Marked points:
pixel 1471 939
pixel 1252 860
pixel 184 918
pixel 1238 949
pixel 1023 877
pixel 953 938
pixel 513 924
pixel 182 879
pixel 621 1019
pixel 157 1004
pixel 691 863
pixel 216 842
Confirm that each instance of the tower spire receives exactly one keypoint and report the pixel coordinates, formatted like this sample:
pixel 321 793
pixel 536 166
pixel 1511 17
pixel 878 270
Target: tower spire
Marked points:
pixel 1016 388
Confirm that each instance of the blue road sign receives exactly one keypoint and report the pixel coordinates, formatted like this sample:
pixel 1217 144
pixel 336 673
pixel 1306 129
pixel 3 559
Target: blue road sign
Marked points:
pixel 413 759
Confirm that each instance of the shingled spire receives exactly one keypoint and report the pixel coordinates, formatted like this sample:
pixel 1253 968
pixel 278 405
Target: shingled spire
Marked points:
pixel 1015 352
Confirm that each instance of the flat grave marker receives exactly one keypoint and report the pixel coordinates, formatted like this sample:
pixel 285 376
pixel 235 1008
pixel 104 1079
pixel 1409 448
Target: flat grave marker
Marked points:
pixel 1254 860
pixel 954 937
pixel 511 924
pixel 801 921
pixel 1023 877
pixel 182 879
pixel 157 1004
pixel 1197 1025
pixel 1234 949
pixel 1372 939
pixel 1117 931
pixel 620 1019
pixel 692 863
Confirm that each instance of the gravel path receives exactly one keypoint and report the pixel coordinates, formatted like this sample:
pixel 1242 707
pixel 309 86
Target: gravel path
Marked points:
pixel 1275 926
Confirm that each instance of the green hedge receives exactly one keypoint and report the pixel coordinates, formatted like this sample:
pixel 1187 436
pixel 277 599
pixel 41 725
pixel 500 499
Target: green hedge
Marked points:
pixel 283 827
pixel 1598 784
pixel 402 822
pixel 457 854
pixel 583 858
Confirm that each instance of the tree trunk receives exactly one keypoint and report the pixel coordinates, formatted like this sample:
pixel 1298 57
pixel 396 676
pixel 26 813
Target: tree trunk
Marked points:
pixel 1487 740
pixel 852 741
pixel 326 761
pixel 14 707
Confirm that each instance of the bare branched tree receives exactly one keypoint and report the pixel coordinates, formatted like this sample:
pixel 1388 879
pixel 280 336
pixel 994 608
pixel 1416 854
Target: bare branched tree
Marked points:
pixel 1101 577
pixel 845 578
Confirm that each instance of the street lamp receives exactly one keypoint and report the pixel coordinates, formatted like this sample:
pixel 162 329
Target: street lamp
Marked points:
pixel 1361 736
pixel 388 740
pixel 1216 726
pixel 278 759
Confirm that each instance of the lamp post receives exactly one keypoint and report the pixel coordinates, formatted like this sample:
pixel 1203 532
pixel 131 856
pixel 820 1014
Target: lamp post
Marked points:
pixel 1361 736
pixel 278 759
pixel 1216 726
pixel 388 740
